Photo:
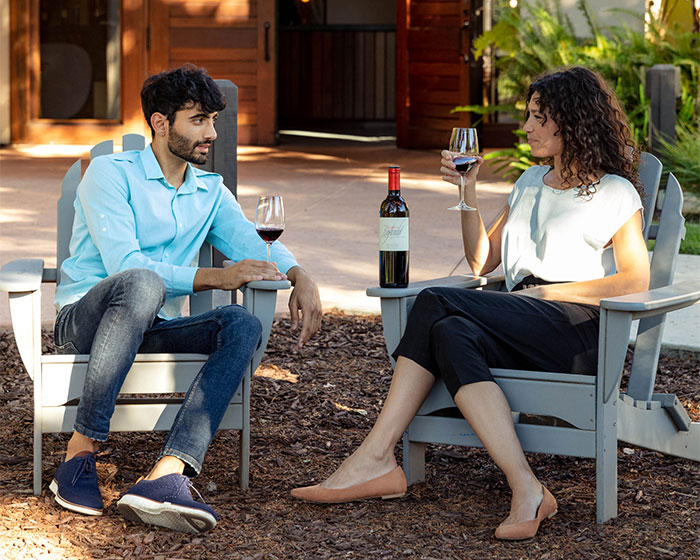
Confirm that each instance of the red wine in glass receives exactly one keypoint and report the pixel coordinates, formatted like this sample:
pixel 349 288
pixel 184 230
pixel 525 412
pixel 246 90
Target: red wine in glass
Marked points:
pixel 464 147
pixel 269 235
pixel 269 220
pixel 464 164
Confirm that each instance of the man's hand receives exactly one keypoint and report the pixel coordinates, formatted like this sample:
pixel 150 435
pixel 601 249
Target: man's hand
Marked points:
pixel 234 276
pixel 304 298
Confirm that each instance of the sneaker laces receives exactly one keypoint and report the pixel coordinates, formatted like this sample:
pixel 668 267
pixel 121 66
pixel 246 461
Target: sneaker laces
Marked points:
pixel 87 465
pixel 190 486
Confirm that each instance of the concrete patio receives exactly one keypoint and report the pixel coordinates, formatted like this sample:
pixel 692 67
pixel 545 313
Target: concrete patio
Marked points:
pixel 332 190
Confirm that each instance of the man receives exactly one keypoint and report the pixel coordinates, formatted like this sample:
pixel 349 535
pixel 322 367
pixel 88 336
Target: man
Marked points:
pixel 140 219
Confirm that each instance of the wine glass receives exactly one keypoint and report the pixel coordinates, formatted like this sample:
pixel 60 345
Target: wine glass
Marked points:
pixel 269 220
pixel 464 147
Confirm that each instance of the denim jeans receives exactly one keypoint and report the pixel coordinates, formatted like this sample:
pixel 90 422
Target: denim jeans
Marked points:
pixel 117 318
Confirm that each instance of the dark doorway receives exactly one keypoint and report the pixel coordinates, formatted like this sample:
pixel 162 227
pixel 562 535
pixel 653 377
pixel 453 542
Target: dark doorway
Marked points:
pixel 336 70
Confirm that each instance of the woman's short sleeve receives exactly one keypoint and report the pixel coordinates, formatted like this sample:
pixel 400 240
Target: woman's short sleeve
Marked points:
pixel 529 176
pixel 618 201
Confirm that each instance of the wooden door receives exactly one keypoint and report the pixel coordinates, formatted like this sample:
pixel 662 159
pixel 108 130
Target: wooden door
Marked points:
pixel 232 39
pixel 435 72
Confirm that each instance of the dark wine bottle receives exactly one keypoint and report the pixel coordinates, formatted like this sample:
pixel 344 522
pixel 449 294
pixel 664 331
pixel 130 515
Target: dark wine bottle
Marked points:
pixel 393 235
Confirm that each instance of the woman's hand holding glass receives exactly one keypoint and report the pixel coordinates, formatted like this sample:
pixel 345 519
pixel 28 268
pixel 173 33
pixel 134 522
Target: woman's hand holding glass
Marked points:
pixel 449 172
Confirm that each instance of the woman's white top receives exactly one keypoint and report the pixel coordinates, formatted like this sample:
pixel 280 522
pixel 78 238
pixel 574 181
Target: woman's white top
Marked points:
pixel 560 235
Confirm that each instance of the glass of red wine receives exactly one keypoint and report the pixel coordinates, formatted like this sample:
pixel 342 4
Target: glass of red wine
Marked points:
pixel 464 147
pixel 269 220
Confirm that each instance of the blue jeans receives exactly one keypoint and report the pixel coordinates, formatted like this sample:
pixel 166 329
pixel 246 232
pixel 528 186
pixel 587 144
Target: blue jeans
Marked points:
pixel 117 318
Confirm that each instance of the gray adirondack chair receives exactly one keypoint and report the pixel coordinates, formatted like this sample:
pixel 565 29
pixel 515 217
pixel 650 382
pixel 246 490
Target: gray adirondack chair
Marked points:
pixel 595 415
pixel 58 379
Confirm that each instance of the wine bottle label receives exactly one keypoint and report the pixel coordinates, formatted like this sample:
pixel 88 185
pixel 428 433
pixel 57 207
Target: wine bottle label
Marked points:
pixel 393 234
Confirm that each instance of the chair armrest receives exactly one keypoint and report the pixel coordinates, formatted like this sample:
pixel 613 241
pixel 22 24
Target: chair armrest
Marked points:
pixel 262 284
pixel 268 285
pixel 662 300
pixel 413 289
pixel 22 275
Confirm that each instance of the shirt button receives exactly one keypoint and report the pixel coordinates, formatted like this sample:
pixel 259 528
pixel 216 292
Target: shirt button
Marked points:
pixel 102 215
pixel 104 229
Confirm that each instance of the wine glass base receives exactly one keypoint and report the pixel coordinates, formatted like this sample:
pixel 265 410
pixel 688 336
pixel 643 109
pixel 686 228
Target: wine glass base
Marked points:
pixel 462 207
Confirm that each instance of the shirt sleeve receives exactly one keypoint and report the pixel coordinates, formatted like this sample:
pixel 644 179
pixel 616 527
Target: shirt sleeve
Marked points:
pixel 619 201
pixel 521 183
pixel 103 197
pixel 235 236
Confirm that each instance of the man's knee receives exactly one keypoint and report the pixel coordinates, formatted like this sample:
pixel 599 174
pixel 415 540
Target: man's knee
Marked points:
pixel 145 289
pixel 239 322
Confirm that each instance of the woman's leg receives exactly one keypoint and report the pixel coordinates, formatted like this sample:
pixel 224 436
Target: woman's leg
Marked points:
pixel 485 407
pixel 501 330
pixel 409 386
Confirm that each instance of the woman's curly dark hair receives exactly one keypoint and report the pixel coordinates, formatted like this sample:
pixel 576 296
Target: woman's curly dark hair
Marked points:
pixel 172 90
pixel 594 130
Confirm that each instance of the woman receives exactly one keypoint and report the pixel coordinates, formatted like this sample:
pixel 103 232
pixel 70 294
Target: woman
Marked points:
pixel 570 235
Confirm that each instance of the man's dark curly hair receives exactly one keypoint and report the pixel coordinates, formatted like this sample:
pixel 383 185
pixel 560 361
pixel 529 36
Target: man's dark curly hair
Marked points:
pixel 173 90
pixel 594 130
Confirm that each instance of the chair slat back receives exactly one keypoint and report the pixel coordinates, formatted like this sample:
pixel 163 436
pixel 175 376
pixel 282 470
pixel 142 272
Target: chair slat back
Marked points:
pixel 102 149
pixel 223 158
pixel 671 230
pixel 133 142
pixel 65 212
pixel 650 176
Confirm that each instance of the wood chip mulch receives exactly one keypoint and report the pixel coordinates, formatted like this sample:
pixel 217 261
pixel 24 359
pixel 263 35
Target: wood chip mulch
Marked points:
pixel 309 411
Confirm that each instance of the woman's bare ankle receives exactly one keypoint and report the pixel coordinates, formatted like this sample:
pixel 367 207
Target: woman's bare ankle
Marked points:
pixel 361 466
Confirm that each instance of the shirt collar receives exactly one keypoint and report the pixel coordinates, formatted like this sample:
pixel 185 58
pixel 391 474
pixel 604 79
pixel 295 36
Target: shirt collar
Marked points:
pixel 152 170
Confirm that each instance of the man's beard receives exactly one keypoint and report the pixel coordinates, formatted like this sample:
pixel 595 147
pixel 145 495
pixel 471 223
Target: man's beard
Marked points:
pixel 184 148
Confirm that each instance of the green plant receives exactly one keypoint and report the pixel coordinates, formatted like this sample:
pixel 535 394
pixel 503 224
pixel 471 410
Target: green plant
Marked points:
pixel 511 162
pixel 539 37
pixel 691 244
pixel 682 158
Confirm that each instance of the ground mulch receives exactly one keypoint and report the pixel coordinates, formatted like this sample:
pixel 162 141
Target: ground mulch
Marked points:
pixel 309 410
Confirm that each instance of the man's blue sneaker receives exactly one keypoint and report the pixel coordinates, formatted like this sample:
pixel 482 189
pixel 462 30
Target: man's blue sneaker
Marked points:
pixel 167 502
pixel 75 485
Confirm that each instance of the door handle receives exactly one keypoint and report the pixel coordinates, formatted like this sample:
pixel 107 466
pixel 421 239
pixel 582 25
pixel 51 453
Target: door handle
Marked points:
pixel 464 56
pixel 267 41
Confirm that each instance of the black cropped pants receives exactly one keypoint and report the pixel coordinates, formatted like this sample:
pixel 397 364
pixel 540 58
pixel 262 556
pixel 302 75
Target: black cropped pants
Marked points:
pixel 458 334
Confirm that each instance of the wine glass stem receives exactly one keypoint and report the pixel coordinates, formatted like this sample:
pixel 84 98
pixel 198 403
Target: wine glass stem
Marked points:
pixel 268 251
pixel 461 188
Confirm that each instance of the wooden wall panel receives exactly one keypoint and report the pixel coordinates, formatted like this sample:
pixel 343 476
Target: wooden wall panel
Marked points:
pixel 227 38
pixel 432 77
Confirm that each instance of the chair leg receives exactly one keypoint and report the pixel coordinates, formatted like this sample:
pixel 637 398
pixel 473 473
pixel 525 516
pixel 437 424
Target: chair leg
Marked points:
pixel 413 460
pixel 37 455
pixel 244 464
pixel 606 461
pixel 244 455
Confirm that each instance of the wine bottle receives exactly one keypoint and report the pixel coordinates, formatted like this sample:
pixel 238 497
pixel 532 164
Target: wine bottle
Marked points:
pixel 393 235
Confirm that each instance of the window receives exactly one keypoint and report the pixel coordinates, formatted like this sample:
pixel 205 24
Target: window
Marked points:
pixel 80 54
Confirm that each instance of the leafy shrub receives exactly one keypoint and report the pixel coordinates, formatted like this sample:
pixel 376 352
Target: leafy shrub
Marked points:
pixel 539 37
pixel 682 158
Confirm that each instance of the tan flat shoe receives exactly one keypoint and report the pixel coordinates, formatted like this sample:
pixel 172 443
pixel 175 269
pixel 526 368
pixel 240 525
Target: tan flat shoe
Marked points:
pixel 386 486
pixel 528 529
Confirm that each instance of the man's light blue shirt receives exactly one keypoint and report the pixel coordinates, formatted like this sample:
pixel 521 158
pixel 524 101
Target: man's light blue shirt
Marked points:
pixel 128 216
